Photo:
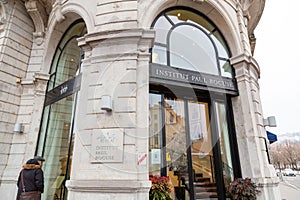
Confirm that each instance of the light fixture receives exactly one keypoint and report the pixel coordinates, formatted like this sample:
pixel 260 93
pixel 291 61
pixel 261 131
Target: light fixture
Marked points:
pixel 18 80
pixel 270 121
pixel 182 16
pixel 106 103
pixel 19 128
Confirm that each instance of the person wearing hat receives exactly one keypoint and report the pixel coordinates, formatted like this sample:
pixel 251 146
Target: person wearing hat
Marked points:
pixel 31 177
pixel 40 160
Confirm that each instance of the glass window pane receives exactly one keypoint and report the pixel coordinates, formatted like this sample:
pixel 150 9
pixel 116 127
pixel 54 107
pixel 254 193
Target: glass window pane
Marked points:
pixel 191 49
pixel 162 27
pixel 201 145
pixel 221 46
pixel 224 143
pixel 68 63
pixel 199 121
pixel 77 30
pixel 66 59
pixel 155 128
pixel 43 130
pixel 159 55
pixel 226 69
pixel 56 147
pixel 175 132
pixel 194 43
pixel 176 147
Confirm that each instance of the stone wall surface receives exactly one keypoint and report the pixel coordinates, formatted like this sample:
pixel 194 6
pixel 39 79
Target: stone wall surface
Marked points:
pixel 116 64
pixel 15 49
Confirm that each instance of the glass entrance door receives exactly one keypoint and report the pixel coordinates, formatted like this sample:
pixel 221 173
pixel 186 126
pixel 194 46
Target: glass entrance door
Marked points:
pixel 185 141
pixel 201 148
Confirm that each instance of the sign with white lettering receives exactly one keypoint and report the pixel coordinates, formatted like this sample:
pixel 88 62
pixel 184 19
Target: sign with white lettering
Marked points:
pixel 65 89
pixel 107 146
pixel 161 73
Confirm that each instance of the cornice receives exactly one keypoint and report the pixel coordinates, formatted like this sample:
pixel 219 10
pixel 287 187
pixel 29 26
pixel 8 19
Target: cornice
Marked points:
pixel 115 36
pixel 245 59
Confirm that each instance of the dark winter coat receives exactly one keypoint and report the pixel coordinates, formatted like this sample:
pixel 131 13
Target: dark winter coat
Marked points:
pixel 33 177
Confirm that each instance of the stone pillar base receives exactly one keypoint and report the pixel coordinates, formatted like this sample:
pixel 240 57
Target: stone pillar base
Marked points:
pixel 269 188
pixel 107 189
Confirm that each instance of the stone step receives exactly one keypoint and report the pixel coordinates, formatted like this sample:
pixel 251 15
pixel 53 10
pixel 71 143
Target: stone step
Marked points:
pixel 204 184
pixel 206 195
pixel 202 179
pixel 205 189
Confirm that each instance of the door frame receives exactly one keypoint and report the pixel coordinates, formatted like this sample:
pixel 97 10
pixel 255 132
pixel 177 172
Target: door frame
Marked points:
pixel 211 98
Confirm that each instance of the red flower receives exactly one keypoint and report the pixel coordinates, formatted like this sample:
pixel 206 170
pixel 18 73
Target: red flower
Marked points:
pixel 160 188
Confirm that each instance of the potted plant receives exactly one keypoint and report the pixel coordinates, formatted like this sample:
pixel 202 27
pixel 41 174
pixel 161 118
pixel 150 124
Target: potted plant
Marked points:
pixel 161 188
pixel 242 189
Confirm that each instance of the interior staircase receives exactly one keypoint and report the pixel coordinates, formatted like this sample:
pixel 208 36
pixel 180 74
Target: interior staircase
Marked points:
pixel 204 188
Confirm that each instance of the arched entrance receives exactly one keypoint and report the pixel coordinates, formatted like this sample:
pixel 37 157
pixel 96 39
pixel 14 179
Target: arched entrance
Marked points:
pixel 56 135
pixel 192 136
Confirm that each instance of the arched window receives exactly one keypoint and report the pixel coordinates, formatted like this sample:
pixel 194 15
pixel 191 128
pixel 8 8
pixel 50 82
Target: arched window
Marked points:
pixel 186 40
pixel 67 56
pixel 57 134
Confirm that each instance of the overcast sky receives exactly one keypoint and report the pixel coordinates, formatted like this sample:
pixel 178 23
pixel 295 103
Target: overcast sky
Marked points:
pixel 278 55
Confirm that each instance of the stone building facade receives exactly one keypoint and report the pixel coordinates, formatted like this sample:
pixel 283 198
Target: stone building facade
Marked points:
pixel 110 91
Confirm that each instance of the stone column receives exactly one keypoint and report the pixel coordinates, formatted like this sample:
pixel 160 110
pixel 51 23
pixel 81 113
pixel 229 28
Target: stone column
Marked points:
pixel 251 134
pixel 111 147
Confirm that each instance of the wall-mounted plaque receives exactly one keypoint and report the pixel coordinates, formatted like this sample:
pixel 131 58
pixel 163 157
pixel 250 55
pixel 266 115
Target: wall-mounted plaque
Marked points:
pixel 107 146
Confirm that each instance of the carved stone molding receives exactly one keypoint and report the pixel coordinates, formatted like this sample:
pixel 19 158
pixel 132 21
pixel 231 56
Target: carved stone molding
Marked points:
pixel 245 7
pixel 57 6
pixel 39 15
pixel 252 11
pixel 2 16
pixel 246 4
pixel 36 77
pixel 36 85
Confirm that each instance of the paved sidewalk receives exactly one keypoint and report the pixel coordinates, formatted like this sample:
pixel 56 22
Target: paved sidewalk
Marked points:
pixel 289 191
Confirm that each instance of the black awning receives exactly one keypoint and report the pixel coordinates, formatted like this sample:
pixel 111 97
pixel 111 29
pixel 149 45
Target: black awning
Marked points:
pixel 271 137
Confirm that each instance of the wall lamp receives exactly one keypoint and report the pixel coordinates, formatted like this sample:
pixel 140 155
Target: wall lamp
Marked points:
pixel 270 121
pixel 106 103
pixel 19 128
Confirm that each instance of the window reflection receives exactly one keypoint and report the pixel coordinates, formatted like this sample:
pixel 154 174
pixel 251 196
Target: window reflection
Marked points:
pixel 224 143
pixel 226 69
pixel 159 55
pixel 221 45
pixel 162 27
pixel 56 148
pixel 191 49
pixel 155 126
pixel 66 59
